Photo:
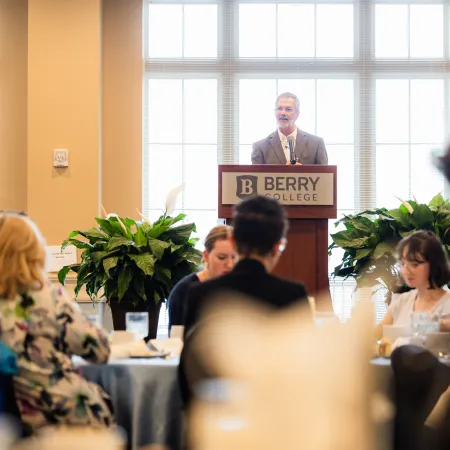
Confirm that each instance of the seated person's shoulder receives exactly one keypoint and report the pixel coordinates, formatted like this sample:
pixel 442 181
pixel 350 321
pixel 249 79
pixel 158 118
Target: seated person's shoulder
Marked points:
pixel 293 289
pixel 401 302
pixel 404 297
pixel 202 289
pixel 188 281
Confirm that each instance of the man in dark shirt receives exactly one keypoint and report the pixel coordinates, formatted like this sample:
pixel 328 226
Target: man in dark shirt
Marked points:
pixel 259 230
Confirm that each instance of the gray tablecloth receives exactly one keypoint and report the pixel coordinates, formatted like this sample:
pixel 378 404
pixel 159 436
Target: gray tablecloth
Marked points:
pixel 145 396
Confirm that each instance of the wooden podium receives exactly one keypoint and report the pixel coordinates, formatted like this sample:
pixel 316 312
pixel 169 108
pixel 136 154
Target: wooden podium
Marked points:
pixel 309 195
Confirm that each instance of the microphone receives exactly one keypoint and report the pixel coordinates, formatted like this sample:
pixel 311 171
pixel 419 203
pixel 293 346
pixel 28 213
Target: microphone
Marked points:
pixel 291 150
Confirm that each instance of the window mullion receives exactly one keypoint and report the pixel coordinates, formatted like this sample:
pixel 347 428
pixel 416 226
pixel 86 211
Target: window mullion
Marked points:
pixel 227 100
pixel 364 107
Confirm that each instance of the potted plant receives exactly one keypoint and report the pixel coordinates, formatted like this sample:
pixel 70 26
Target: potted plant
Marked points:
pixel 133 264
pixel 370 238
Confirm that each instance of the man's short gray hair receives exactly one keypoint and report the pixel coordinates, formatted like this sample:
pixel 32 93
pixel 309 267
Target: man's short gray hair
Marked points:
pixel 289 95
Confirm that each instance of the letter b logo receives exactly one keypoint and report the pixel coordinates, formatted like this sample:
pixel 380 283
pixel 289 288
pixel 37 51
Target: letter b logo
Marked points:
pixel 246 186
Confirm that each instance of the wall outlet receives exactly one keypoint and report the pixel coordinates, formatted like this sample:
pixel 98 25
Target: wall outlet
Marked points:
pixel 60 158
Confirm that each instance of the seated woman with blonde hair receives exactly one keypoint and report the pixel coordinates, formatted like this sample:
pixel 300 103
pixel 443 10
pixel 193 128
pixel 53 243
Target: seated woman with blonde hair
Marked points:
pixel 44 329
pixel 219 258
pixel 424 268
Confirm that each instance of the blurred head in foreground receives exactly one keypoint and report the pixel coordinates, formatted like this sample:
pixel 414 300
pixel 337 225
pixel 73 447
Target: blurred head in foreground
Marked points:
pixel 259 230
pixel 251 350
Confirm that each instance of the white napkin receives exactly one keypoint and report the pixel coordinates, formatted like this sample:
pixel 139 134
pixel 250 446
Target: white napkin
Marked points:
pixel 171 345
pixel 131 349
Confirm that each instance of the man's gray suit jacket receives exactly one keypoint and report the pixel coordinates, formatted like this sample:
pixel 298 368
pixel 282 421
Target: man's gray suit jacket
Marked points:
pixel 309 149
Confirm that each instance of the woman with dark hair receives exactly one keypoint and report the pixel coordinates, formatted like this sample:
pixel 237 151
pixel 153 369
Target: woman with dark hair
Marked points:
pixel 425 269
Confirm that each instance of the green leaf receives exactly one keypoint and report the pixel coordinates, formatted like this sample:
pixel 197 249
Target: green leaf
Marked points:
pixel 79 244
pixel 422 217
pixel 139 287
pixel 119 241
pixel 97 256
pixel 146 227
pixel 350 239
pixel 182 233
pixel 363 224
pixel 404 209
pixel 194 255
pixel 193 241
pixel 110 263
pixel 437 200
pixel 163 274
pixel 344 272
pixel 157 247
pixel 382 249
pixel 363 253
pixel 119 229
pixel 76 243
pixel 124 282
pixel 178 218
pixel 174 248
pixel 400 216
pixel 159 227
pixel 139 237
pixel 74 233
pixel 62 274
pixel 93 233
pixel 145 262
pixel 106 226
pixel 128 222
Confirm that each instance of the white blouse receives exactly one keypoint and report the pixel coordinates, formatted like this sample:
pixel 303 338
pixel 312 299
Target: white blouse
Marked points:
pixel 403 306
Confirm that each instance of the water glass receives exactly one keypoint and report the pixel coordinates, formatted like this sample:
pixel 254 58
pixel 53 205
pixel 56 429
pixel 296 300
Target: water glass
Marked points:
pixel 423 322
pixel 93 318
pixel 137 323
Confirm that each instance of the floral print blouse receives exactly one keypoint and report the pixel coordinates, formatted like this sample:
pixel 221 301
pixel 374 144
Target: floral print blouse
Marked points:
pixel 45 328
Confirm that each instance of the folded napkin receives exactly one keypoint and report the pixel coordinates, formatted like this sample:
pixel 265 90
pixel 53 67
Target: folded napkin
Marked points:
pixel 8 360
pixel 131 349
pixel 171 345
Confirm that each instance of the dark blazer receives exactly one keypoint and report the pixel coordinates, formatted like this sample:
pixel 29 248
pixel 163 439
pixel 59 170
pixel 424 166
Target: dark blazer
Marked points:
pixel 176 303
pixel 309 149
pixel 249 277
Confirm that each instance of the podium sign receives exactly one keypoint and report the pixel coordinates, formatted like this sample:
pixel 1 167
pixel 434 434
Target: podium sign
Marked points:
pixel 308 194
pixel 288 189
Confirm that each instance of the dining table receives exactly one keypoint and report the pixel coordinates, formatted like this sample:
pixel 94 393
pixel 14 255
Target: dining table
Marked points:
pixel 145 397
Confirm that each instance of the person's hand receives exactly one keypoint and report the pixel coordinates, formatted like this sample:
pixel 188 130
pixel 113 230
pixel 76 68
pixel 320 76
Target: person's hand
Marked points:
pixel 296 164
pixel 444 325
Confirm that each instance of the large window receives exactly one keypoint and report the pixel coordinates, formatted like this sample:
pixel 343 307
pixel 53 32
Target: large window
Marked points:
pixel 372 78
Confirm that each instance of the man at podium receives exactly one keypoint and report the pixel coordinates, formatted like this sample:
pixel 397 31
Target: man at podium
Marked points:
pixel 289 145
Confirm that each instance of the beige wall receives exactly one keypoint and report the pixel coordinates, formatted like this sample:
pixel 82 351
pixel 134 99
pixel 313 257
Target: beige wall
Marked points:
pixel 84 79
pixel 64 111
pixel 13 104
pixel 122 106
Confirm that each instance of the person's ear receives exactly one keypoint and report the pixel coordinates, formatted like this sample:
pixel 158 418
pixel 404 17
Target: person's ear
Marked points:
pixel 205 256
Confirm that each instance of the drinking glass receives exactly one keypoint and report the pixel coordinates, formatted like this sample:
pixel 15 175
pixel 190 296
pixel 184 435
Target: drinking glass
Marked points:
pixel 93 318
pixel 424 322
pixel 137 323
